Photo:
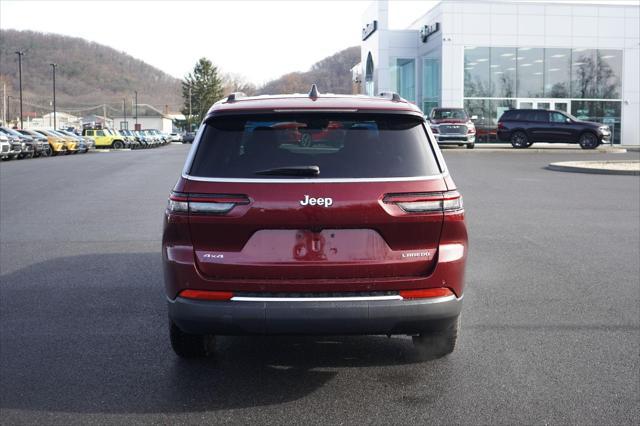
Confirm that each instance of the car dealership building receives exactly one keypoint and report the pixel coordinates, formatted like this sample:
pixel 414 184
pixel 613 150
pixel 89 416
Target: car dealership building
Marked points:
pixel 492 56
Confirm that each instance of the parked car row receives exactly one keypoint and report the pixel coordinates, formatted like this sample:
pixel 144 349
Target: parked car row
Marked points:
pixel 132 139
pixel 520 127
pixel 18 144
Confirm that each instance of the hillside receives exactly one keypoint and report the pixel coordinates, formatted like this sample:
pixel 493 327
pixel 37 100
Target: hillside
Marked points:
pixel 88 73
pixel 332 75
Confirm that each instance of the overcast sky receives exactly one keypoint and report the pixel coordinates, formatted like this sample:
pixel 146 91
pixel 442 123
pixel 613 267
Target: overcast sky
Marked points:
pixel 260 40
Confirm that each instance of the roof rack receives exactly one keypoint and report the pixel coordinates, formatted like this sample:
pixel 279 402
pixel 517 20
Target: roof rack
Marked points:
pixel 313 93
pixel 392 96
pixel 235 95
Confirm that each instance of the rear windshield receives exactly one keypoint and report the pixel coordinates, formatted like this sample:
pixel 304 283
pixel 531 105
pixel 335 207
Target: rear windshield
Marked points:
pixel 453 113
pixel 335 146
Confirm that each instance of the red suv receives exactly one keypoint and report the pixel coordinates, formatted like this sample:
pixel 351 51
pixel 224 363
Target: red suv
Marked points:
pixel 362 235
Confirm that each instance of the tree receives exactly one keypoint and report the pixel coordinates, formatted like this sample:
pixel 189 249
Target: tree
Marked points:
pixel 205 85
pixel 233 82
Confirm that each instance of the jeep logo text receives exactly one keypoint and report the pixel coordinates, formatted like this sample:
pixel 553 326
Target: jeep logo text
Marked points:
pixel 311 201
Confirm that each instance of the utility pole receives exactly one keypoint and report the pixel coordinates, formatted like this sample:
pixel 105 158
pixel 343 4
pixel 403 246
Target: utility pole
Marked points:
pixel 189 107
pixel 4 104
pixel 9 98
pixel 53 68
pixel 124 113
pixel 20 53
pixel 104 116
pixel 136 128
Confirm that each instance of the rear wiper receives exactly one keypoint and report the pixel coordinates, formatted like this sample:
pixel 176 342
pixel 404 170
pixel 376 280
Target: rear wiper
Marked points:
pixel 291 171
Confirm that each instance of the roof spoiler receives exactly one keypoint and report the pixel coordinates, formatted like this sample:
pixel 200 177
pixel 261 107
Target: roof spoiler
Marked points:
pixel 392 96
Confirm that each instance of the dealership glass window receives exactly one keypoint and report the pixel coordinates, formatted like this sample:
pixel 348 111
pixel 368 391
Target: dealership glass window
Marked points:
pixel 488 112
pixel 609 73
pixel 530 72
pixel 403 77
pixel 584 73
pixel 605 112
pixel 557 73
pixel 503 72
pixel 477 77
pixel 430 84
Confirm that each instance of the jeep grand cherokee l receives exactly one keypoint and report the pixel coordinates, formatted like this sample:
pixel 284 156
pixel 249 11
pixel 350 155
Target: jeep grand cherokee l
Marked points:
pixel 523 127
pixel 363 236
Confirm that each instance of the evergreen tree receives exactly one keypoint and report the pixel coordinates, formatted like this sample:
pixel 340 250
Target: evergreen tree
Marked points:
pixel 206 88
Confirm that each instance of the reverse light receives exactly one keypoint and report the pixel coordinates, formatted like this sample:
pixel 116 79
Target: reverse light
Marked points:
pixel 216 204
pixel 426 293
pixel 426 202
pixel 206 294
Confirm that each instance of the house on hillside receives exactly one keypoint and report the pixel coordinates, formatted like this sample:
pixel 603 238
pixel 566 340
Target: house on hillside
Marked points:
pixel 147 117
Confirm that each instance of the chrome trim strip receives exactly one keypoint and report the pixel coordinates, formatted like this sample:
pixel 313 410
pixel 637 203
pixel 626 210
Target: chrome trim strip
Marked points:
pixel 342 299
pixel 315 180
pixel 314 299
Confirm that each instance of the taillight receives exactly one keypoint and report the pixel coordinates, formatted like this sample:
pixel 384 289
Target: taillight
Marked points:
pixel 204 203
pixel 430 202
pixel 426 293
pixel 500 125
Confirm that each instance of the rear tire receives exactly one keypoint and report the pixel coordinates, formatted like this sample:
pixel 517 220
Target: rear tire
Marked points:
pixel 520 140
pixel 187 345
pixel 117 145
pixel 588 141
pixel 432 345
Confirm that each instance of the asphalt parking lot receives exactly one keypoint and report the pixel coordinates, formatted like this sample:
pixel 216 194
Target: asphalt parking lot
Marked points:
pixel 550 326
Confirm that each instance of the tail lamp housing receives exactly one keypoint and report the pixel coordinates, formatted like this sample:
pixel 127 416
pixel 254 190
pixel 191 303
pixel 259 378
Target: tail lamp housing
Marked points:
pixel 430 202
pixel 216 204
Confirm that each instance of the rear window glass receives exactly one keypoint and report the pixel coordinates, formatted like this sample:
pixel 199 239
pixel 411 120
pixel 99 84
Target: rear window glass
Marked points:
pixel 340 146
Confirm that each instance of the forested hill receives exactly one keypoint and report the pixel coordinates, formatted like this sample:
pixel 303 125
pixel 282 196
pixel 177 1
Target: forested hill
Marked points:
pixel 332 75
pixel 88 73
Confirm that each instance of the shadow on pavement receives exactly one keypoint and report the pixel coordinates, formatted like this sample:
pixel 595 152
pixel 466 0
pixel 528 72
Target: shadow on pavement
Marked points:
pixel 88 334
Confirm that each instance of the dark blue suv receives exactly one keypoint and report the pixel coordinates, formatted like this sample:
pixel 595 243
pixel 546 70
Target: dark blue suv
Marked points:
pixel 523 127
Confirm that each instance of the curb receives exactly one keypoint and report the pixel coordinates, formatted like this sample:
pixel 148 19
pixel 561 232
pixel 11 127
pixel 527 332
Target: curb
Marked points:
pixel 570 166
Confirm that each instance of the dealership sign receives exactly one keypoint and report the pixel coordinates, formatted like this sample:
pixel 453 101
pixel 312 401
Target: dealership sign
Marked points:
pixel 427 30
pixel 369 29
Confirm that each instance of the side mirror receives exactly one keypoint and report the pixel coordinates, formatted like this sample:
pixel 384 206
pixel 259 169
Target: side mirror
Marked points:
pixel 474 117
pixel 567 120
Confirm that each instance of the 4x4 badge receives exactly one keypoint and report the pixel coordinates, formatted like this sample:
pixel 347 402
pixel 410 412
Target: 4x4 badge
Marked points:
pixel 311 201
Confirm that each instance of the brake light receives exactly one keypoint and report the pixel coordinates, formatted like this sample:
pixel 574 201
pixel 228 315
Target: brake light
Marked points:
pixel 204 203
pixel 426 202
pixel 426 293
pixel 206 295
pixel 500 125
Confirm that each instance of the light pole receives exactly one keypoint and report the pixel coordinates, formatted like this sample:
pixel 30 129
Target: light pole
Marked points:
pixel 53 68
pixel 20 53
pixel 136 92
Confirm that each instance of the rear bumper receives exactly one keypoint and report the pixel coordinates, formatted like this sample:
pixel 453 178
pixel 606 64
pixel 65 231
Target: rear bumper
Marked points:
pixel 314 317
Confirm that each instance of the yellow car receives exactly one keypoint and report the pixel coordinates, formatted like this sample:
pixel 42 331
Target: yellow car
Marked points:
pixel 57 144
pixel 104 138
pixel 69 142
